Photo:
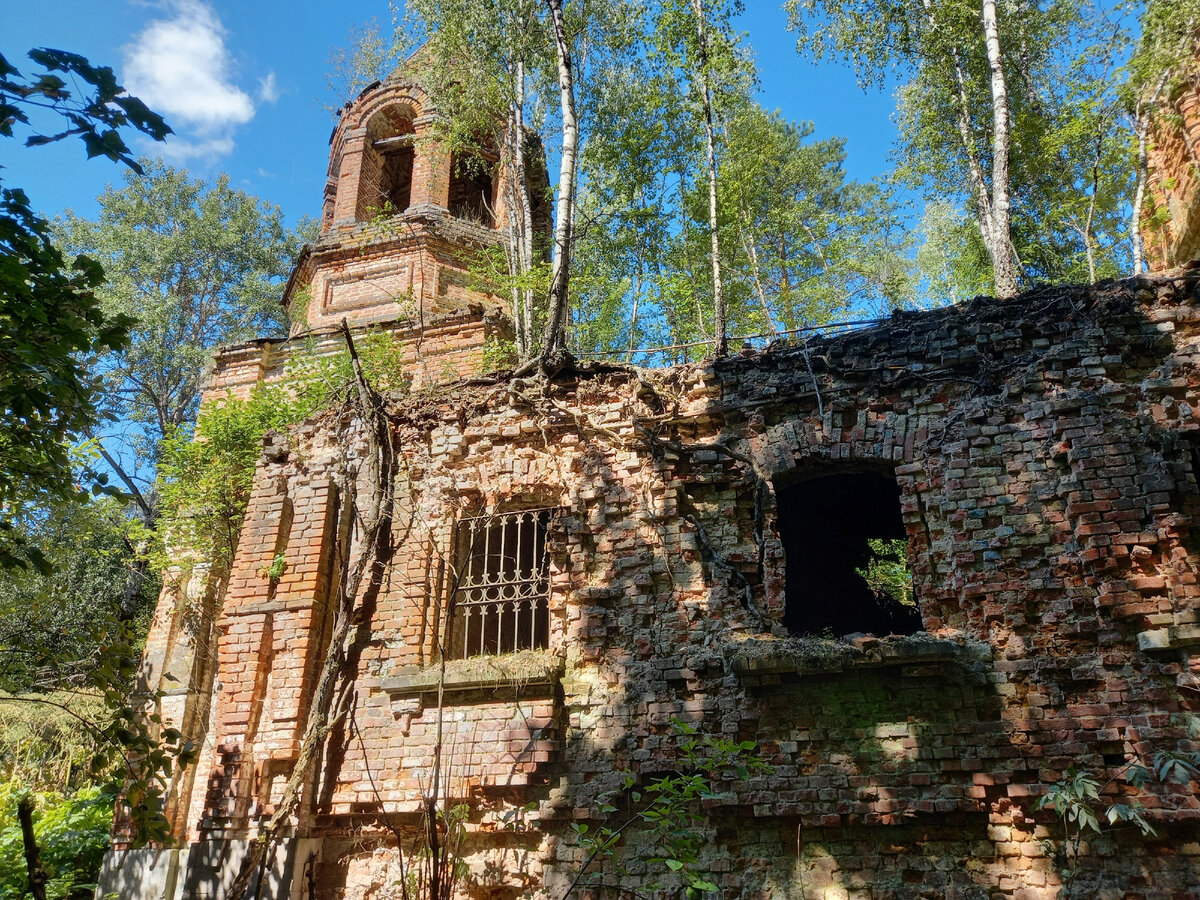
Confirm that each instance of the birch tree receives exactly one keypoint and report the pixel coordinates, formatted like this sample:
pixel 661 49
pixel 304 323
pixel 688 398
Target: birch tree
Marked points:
pixel 520 64
pixel 560 266
pixel 1000 74
pixel 697 39
pixel 948 49
pixel 486 66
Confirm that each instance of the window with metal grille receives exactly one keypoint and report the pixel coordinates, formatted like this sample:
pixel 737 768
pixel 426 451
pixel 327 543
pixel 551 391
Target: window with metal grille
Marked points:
pixel 502 599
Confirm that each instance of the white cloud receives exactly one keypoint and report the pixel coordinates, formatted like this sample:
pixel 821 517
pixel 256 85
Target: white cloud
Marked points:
pixel 181 68
pixel 268 90
pixel 178 149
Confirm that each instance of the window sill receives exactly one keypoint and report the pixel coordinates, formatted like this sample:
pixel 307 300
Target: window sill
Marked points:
pixel 527 672
pixel 763 659
pixel 1176 637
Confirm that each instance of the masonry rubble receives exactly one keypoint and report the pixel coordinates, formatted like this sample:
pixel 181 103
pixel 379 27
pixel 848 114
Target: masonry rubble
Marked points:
pixel 1041 457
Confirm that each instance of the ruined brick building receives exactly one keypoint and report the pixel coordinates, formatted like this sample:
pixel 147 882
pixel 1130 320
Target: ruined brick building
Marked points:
pixel 629 547
pixel 1171 219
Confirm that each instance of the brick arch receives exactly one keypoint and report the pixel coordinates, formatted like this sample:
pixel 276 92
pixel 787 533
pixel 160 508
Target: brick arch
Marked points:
pixel 794 457
pixel 388 160
pixel 388 93
pixel 367 178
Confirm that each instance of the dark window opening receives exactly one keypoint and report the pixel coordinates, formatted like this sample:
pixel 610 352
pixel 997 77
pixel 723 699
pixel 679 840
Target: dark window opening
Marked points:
pixel 472 190
pixel 395 186
pixel 845 549
pixel 502 599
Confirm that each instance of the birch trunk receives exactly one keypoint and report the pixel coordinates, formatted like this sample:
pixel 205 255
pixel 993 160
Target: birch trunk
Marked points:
pixel 560 269
pixel 521 227
pixel 1004 263
pixel 720 325
pixel 1139 195
pixel 966 133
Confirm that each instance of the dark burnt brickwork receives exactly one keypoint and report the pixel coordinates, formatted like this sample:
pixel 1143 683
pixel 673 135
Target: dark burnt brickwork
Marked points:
pixel 1044 451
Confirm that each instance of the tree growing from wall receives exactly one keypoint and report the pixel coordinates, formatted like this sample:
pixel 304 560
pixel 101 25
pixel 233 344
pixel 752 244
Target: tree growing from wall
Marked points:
pixel 485 68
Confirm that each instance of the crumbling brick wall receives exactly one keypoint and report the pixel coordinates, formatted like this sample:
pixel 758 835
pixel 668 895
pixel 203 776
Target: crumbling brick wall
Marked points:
pixel 1173 164
pixel 1043 449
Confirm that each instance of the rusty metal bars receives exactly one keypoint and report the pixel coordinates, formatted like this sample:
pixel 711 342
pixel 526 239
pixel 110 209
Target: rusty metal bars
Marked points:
pixel 502 604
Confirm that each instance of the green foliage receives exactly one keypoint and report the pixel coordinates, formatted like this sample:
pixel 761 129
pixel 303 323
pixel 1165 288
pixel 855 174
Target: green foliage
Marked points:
pixel 70 641
pixel 51 320
pixel 1084 804
pixel 72 832
pixel 205 475
pixel 887 571
pixel 1165 56
pixel 204 478
pixel 668 809
pixel 42 744
pixel 277 567
pixel 95 117
pixel 1070 172
pixel 365 56
pixel 498 354
pixel 53 625
pixel 951 261
pixel 199 265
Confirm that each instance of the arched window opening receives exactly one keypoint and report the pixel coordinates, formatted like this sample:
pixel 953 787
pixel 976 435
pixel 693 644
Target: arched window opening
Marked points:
pixel 472 189
pixel 846 553
pixel 385 183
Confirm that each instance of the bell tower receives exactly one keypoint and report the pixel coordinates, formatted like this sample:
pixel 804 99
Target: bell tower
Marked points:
pixel 401 217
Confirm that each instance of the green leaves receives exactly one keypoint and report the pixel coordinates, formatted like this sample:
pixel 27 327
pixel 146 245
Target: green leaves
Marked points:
pixel 669 810
pixel 72 831
pixel 1086 805
pixel 52 323
pixel 198 264
pixel 97 118
pixel 205 475
pixel 1070 168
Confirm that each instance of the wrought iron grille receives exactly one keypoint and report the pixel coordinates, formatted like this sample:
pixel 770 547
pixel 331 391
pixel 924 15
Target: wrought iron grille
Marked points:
pixel 502 601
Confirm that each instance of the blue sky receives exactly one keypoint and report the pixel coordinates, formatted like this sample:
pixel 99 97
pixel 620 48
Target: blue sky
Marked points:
pixel 242 84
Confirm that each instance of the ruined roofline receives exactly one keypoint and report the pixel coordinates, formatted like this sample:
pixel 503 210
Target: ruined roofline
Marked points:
pixel 1004 337
pixel 1046 302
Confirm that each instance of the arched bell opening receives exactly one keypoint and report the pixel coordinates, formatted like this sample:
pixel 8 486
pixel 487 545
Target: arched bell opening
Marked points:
pixel 473 188
pixel 389 156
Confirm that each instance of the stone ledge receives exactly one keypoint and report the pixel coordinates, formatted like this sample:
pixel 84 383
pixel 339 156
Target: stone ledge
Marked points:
pixel 525 672
pixel 1175 637
pixel 757 656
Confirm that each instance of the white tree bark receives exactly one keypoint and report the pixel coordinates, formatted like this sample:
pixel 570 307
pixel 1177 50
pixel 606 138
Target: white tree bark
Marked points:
pixel 523 249
pixel 1004 261
pixel 966 133
pixel 719 315
pixel 560 269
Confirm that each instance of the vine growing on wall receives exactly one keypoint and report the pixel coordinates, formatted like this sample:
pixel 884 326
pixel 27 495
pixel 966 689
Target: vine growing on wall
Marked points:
pixel 369 516
pixel 206 474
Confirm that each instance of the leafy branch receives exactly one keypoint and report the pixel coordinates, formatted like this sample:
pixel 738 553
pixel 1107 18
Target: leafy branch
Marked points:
pixel 1079 797
pixel 670 807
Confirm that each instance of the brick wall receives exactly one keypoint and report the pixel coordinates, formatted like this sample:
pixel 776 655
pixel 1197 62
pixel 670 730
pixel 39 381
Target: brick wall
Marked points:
pixel 1173 163
pixel 1043 448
